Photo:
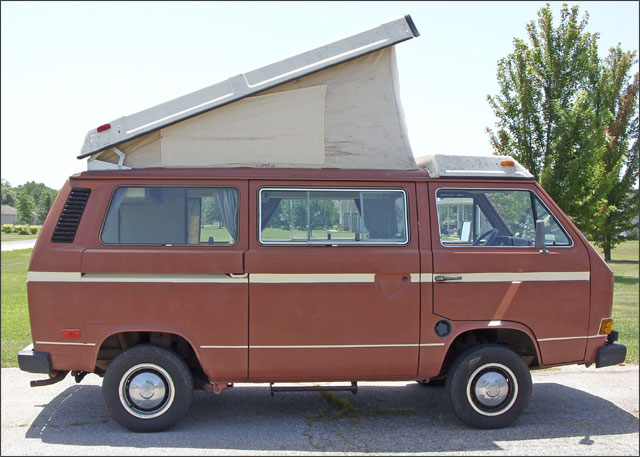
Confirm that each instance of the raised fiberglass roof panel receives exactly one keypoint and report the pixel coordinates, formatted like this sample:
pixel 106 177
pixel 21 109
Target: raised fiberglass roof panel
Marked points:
pixel 472 166
pixel 336 106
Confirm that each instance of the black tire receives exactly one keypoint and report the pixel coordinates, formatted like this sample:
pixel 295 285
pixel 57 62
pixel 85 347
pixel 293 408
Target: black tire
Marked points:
pixel 147 388
pixel 489 386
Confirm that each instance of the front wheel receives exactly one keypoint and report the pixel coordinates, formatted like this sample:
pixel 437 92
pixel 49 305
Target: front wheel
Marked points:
pixel 489 386
pixel 147 388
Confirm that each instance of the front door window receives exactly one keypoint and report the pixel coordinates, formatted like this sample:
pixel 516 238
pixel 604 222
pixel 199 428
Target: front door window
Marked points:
pixel 494 217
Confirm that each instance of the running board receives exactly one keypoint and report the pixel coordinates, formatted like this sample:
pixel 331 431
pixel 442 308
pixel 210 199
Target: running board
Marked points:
pixel 353 388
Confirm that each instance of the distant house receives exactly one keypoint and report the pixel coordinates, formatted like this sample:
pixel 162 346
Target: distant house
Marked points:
pixel 9 214
pixel 633 233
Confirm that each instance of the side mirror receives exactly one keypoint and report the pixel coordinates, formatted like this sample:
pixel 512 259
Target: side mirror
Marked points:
pixel 539 243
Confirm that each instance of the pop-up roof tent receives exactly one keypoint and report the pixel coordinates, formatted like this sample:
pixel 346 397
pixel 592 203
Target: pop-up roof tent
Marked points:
pixel 336 106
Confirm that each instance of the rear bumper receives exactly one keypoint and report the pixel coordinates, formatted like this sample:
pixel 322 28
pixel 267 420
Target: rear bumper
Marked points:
pixel 34 362
pixel 611 353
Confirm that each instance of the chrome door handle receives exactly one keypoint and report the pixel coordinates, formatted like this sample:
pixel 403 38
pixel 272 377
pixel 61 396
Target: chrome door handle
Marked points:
pixel 441 278
pixel 238 275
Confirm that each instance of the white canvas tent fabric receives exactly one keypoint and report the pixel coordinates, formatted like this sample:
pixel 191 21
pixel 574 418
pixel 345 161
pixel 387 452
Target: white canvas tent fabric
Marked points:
pixel 345 116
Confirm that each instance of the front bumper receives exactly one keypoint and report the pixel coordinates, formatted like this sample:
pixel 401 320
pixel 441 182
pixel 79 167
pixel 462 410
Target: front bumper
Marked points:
pixel 34 362
pixel 611 353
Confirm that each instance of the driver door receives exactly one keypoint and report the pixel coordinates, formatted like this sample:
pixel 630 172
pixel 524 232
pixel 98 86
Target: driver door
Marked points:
pixel 486 268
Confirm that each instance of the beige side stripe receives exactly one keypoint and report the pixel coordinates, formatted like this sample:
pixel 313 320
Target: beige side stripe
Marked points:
pixel 333 346
pixel 51 276
pixel 327 346
pixel 299 278
pixel 161 278
pixel 42 276
pixel 284 278
pixel 511 277
pixel 65 343
pixel 223 347
pixel 260 278
pixel 540 340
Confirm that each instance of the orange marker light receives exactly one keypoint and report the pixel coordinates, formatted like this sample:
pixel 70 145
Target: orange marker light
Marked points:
pixel 507 163
pixel 605 326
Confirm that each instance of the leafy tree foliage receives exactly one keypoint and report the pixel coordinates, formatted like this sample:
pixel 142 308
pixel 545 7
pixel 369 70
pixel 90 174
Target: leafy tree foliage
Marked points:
pixel 32 200
pixel 572 120
pixel 25 206
pixel 323 214
pixel 43 205
pixel 210 212
pixel 8 194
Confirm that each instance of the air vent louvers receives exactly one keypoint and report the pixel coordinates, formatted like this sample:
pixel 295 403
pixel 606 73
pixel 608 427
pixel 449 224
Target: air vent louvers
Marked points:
pixel 69 219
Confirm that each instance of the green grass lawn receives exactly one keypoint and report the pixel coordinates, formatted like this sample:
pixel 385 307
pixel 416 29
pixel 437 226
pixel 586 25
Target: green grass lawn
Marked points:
pixel 16 332
pixel 624 263
pixel 218 234
pixel 17 237
pixel 277 234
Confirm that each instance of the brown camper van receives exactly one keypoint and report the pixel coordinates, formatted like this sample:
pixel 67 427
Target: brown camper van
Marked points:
pixel 172 264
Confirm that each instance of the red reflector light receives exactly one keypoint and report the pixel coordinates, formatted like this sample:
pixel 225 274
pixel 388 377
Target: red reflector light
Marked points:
pixel 70 333
pixel 104 127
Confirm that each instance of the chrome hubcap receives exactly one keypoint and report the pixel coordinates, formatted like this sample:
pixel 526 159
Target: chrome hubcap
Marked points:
pixel 146 391
pixel 492 389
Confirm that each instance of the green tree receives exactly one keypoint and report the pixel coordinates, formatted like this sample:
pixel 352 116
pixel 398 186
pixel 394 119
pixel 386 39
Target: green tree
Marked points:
pixel 25 206
pixel 281 216
pixel 44 203
pixel 323 214
pixel 569 117
pixel 615 201
pixel 8 194
pixel 210 211
pixel 300 214
pixel 33 188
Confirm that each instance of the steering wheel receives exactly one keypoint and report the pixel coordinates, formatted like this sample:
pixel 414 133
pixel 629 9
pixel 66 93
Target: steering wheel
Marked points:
pixel 490 234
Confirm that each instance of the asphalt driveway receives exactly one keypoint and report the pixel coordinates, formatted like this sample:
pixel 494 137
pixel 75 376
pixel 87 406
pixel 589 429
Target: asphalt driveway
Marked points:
pixel 573 411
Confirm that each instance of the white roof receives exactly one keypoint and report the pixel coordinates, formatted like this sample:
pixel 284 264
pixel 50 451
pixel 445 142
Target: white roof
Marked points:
pixel 6 209
pixel 337 105
pixel 451 165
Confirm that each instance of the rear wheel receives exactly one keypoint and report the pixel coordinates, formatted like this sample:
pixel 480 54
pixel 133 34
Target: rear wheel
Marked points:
pixel 147 388
pixel 489 386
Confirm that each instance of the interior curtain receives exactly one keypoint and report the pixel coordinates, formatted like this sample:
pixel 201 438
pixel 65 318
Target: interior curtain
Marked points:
pixel 267 208
pixel 113 216
pixel 227 200
pixel 379 216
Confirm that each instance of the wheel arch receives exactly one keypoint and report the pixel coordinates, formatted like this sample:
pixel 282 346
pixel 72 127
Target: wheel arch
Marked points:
pixel 115 341
pixel 513 335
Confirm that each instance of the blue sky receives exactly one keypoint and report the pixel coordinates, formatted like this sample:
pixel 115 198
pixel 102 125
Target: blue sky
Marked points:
pixel 68 67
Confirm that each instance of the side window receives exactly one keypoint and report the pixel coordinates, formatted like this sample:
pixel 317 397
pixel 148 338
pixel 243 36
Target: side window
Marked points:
pixel 494 217
pixel 172 216
pixel 554 235
pixel 333 216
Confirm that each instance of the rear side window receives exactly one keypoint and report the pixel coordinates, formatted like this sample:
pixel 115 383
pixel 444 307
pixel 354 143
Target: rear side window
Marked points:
pixel 200 216
pixel 494 217
pixel 333 216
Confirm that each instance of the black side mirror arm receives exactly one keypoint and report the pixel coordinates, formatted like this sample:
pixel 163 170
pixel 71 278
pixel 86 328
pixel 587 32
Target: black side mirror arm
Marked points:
pixel 540 241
